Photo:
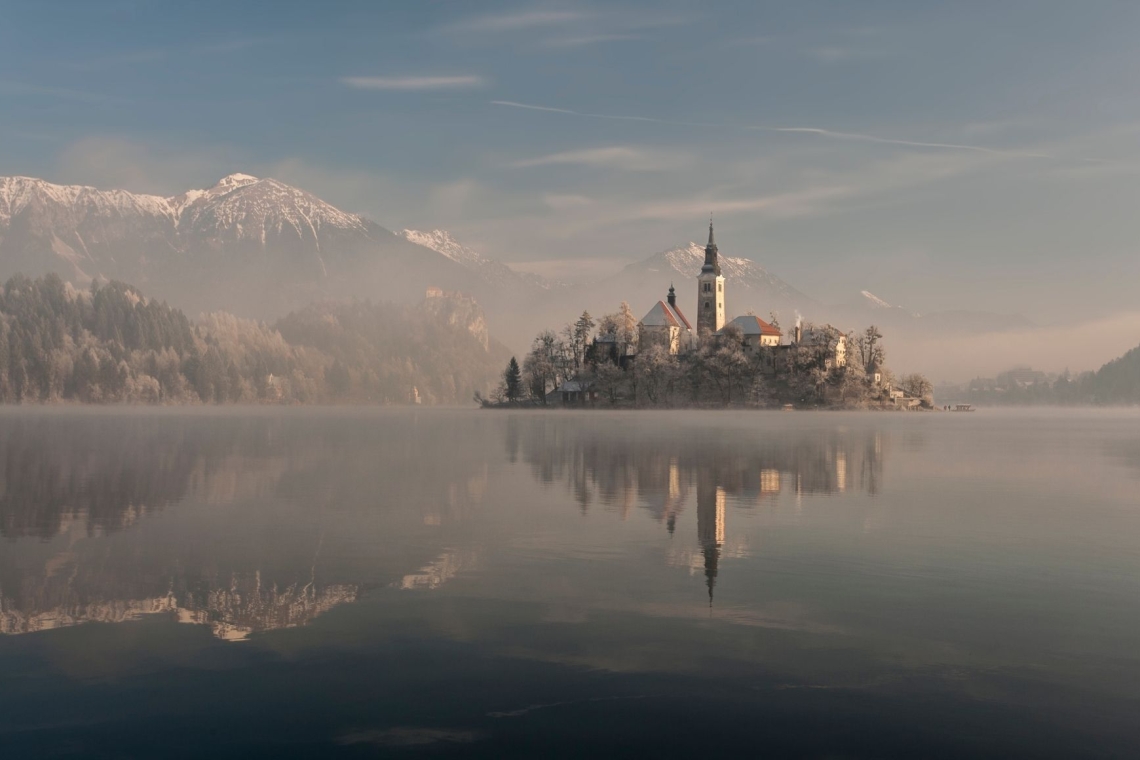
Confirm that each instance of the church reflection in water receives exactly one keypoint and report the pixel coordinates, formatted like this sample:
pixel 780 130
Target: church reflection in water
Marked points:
pixel 662 470
pixel 250 522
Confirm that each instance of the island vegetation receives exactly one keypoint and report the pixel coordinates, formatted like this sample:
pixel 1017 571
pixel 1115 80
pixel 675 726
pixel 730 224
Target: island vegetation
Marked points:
pixel 606 362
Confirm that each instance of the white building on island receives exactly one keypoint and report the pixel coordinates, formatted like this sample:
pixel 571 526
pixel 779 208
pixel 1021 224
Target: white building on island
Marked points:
pixel 755 332
pixel 666 326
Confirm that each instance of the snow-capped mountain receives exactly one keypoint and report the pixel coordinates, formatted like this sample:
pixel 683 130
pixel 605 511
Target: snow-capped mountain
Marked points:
pixel 490 270
pixel 686 262
pixel 868 308
pixel 874 301
pixel 84 233
pixel 253 246
pixel 750 286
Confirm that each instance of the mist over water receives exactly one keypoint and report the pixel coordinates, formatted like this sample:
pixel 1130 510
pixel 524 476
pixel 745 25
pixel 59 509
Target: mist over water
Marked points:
pixel 350 582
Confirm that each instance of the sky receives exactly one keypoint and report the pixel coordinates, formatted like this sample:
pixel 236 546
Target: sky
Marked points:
pixel 968 155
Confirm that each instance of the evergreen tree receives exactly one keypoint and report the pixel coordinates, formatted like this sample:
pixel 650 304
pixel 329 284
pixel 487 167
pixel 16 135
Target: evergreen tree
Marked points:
pixel 512 381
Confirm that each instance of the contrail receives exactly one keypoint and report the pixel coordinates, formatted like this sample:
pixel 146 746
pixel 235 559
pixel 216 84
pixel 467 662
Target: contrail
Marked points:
pixel 830 134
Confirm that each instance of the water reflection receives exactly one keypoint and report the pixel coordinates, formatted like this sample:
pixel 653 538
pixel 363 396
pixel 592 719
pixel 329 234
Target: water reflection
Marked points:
pixel 659 468
pixel 504 580
pixel 252 523
pixel 244 523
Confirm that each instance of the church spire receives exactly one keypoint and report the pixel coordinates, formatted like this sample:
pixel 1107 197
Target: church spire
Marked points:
pixel 711 263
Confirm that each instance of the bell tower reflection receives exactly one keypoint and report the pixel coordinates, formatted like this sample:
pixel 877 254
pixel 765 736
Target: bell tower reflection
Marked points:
pixel 656 466
pixel 710 523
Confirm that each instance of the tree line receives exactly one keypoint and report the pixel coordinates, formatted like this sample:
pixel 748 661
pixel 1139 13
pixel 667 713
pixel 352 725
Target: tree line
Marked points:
pixel 1116 383
pixel 111 343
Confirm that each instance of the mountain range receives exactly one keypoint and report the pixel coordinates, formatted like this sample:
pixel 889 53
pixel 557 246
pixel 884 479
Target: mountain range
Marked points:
pixel 260 247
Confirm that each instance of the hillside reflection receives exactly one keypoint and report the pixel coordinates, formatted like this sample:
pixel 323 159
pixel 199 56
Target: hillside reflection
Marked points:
pixel 664 469
pixel 243 523
pixel 252 522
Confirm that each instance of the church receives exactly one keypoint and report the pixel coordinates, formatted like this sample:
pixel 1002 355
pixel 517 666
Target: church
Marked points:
pixel 667 325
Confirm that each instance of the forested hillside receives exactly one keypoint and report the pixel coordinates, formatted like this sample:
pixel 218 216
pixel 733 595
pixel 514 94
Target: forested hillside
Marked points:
pixel 1115 383
pixel 113 344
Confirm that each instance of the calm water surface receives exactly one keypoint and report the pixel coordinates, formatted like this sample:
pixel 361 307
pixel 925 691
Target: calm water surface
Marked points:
pixel 362 583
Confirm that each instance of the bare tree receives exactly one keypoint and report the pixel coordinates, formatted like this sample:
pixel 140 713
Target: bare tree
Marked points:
pixel 918 386
pixel 655 373
pixel 725 365
pixel 610 381
pixel 869 349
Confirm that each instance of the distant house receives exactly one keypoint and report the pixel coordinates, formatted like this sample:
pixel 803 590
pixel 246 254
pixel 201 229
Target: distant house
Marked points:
pixel 823 346
pixel 756 333
pixel 826 339
pixel 577 393
pixel 666 326
pixel 608 347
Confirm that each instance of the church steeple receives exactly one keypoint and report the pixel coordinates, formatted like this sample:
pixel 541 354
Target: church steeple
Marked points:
pixel 712 264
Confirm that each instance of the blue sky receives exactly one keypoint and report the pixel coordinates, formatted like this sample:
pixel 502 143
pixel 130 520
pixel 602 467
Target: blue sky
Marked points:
pixel 974 155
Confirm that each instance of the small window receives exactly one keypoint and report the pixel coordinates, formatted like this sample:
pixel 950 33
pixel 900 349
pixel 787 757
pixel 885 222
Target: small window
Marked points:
pixel 720 287
pixel 707 305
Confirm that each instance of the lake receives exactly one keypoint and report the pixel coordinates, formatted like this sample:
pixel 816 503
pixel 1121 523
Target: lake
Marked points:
pixel 422 582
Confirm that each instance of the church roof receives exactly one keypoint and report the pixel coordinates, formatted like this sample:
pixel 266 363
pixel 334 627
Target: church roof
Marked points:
pixel 664 315
pixel 751 324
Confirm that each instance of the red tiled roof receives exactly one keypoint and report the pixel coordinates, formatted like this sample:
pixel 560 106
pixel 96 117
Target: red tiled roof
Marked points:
pixel 753 325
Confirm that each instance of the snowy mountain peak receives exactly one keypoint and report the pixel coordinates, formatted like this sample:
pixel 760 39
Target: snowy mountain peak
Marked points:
pixel 874 301
pixel 490 270
pixel 236 180
pixel 20 193
pixel 683 263
pixel 688 259
pixel 241 207
pixel 442 242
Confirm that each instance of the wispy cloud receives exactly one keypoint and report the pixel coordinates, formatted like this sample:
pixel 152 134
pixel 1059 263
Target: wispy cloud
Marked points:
pixel 62 93
pixel 588 39
pixel 842 53
pixel 412 83
pixel 817 131
pixel 555 28
pixel 610 157
pixel 508 22
pixel 566 201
